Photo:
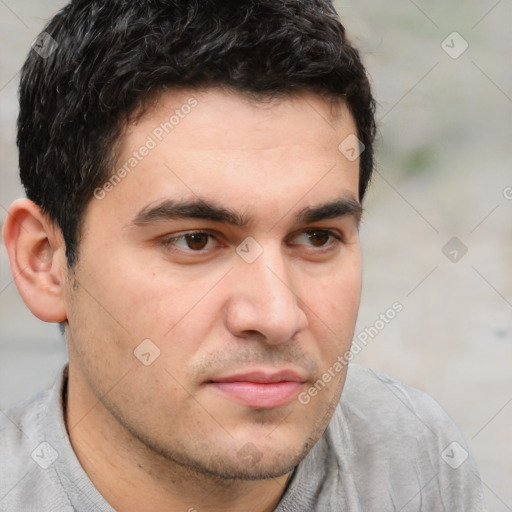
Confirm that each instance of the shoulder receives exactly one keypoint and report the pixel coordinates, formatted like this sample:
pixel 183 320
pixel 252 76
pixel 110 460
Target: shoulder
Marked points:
pixel 403 442
pixel 27 475
pixel 381 408
pixel 20 428
pixel 388 399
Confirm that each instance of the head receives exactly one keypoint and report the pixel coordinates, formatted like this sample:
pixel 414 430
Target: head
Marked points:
pixel 192 221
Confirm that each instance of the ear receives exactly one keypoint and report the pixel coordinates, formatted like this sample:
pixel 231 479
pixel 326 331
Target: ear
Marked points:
pixel 37 257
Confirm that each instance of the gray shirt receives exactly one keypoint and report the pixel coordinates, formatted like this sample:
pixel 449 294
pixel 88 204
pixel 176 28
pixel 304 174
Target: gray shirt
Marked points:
pixel 388 447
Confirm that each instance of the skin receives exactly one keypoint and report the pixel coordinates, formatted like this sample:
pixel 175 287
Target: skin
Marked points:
pixel 160 437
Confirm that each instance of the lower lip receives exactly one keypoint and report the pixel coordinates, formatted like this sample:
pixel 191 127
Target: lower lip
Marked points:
pixel 258 395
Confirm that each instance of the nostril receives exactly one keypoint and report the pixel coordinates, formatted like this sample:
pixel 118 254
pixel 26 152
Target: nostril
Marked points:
pixel 252 333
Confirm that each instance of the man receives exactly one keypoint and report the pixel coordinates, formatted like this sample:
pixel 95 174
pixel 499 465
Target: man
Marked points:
pixel 194 175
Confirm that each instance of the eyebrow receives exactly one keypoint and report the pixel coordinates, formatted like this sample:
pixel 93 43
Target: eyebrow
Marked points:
pixel 169 209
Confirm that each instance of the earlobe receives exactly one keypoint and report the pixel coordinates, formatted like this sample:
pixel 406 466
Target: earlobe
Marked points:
pixel 37 258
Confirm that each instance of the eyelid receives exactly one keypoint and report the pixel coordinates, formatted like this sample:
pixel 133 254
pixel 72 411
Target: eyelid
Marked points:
pixel 332 233
pixel 167 241
pixel 181 234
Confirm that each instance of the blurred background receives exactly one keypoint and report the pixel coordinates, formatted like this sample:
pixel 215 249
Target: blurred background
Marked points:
pixel 437 233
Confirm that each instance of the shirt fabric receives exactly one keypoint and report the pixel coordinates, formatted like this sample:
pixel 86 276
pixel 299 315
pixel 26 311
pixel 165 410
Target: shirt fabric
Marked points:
pixel 388 447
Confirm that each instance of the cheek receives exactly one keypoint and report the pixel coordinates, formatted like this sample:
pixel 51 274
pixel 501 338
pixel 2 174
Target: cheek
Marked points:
pixel 334 304
pixel 128 294
pixel 335 296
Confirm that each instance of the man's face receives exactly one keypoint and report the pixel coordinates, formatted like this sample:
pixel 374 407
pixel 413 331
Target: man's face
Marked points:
pixel 242 325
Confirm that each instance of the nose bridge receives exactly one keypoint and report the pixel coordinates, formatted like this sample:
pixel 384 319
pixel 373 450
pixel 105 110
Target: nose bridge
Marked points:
pixel 276 286
pixel 264 299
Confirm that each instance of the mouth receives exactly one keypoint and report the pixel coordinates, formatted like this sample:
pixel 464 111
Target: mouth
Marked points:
pixel 260 389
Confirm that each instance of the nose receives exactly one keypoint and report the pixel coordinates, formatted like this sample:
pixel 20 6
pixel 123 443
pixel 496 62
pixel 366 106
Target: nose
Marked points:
pixel 263 303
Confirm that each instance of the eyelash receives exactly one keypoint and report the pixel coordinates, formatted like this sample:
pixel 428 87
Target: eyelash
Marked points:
pixel 167 242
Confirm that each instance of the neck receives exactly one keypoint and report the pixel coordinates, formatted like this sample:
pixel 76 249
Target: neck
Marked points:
pixel 132 477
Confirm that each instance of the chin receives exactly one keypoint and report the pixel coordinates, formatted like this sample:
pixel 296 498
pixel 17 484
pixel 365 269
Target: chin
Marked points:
pixel 248 463
pixel 251 469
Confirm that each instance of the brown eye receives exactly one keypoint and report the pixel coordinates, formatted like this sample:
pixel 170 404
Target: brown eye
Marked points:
pixel 192 241
pixel 318 238
pixel 197 241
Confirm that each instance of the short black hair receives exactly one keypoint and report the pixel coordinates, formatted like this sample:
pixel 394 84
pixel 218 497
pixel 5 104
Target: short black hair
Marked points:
pixel 104 58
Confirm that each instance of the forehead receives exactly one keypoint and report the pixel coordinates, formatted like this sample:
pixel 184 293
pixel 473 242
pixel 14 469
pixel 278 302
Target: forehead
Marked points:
pixel 216 109
pixel 222 146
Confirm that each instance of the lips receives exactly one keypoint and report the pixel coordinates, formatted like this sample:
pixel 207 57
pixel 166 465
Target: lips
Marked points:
pixel 260 389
